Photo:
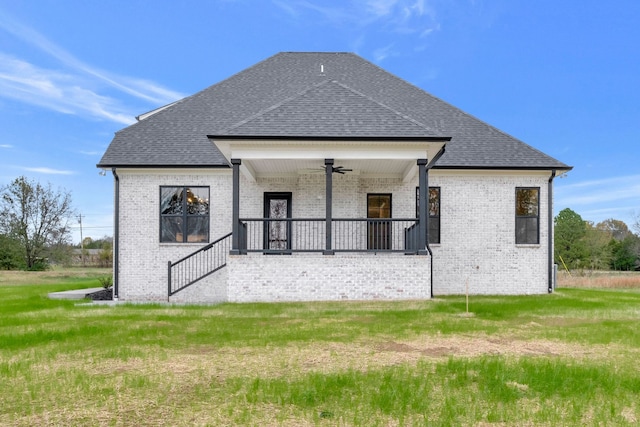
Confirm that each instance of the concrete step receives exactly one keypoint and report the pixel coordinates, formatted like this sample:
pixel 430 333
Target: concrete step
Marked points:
pixel 74 294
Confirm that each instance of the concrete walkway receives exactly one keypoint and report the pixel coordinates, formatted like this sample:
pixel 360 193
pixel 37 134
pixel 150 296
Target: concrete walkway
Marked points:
pixel 75 294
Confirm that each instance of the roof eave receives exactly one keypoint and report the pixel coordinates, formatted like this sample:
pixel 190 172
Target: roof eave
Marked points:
pixel 531 168
pixel 331 138
pixel 156 166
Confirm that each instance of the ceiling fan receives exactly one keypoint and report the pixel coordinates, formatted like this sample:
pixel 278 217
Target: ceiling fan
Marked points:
pixel 335 169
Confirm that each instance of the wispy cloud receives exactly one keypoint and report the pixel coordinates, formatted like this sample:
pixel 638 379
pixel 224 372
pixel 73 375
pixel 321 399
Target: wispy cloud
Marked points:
pixel 336 15
pixel 6 146
pixel 287 8
pixel 383 53
pixel 397 17
pixel 76 88
pixel 92 153
pixel 596 200
pixel 380 7
pixel 56 91
pixel 48 171
pixel 602 190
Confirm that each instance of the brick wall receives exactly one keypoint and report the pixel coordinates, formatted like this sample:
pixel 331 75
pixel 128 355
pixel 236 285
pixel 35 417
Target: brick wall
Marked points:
pixel 301 277
pixel 478 235
pixel 477 239
pixel 143 259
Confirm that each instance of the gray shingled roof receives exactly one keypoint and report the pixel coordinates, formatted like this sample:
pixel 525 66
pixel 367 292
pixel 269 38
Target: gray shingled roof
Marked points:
pixel 323 95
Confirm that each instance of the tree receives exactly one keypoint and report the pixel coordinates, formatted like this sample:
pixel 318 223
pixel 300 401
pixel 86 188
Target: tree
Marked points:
pixel 36 216
pixel 102 243
pixel 106 255
pixel 615 228
pixel 636 222
pixel 10 253
pixel 570 231
pixel 596 242
pixel 625 253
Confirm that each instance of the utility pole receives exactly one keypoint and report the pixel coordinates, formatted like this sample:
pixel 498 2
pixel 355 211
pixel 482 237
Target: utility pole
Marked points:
pixel 81 240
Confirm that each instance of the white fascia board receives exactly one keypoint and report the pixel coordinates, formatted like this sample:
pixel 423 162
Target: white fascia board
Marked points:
pixel 174 171
pixel 322 150
pixel 489 172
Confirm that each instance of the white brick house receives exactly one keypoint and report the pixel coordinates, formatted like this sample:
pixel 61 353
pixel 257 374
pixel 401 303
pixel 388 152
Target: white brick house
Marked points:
pixel 319 176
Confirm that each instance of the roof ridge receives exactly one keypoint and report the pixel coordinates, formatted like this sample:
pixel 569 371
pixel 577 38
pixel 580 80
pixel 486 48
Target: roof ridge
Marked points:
pixel 283 95
pixel 274 106
pixel 318 85
pixel 393 110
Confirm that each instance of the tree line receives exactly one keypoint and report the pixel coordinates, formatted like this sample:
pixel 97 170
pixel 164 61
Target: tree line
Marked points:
pixel 35 227
pixel 607 245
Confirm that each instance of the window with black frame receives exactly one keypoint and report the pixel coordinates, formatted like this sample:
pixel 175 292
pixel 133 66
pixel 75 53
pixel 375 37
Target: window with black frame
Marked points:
pixel 184 214
pixel 527 215
pixel 434 213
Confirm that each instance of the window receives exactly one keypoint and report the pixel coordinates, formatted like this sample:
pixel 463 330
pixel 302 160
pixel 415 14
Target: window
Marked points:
pixel 527 215
pixel 184 214
pixel 434 212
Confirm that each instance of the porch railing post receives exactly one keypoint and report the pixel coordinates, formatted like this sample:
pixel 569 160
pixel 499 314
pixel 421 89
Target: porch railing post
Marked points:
pixel 423 216
pixel 169 281
pixel 235 216
pixel 328 164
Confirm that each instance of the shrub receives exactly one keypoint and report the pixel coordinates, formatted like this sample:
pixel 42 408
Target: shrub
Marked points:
pixel 106 282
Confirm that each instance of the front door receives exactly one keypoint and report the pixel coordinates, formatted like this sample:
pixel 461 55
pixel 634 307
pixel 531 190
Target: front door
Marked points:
pixel 378 230
pixel 277 234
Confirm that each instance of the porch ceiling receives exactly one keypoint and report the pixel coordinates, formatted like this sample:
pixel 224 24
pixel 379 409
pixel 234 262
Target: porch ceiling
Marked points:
pixel 263 158
pixel 287 167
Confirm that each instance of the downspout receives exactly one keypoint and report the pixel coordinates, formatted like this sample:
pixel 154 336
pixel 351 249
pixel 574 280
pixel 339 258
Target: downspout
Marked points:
pixel 116 234
pixel 429 166
pixel 550 230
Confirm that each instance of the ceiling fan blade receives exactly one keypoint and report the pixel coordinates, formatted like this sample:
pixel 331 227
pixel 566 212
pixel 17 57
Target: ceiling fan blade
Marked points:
pixel 341 170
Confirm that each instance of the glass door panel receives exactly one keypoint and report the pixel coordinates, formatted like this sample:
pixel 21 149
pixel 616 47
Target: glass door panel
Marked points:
pixel 379 230
pixel 277 234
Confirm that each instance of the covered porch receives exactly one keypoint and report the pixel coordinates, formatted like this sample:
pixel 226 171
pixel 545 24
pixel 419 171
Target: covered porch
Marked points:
pixel 342 212
pixel 364 220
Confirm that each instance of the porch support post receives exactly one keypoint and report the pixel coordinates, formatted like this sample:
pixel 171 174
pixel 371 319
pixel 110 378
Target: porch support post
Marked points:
pixel 235 207
pixel 423 217
pixel 328 164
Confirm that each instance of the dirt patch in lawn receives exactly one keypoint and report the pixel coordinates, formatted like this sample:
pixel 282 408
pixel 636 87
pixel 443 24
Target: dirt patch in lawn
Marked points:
pixel 219 363
pixel 175 374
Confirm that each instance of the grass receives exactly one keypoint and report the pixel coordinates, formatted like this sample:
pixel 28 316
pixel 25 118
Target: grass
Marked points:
pixel 564 359
pixel 599 279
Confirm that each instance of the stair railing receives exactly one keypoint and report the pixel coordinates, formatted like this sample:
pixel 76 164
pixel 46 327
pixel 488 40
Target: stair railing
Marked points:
pixel 198 265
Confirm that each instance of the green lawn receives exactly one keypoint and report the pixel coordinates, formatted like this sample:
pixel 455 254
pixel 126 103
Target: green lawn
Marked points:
pixel 570 358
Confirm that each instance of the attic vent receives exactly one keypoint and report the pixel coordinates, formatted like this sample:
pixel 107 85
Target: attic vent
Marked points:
pixel 321 68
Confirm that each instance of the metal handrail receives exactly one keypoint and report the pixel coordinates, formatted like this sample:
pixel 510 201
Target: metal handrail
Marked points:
pixel 198 265
pixel 289 235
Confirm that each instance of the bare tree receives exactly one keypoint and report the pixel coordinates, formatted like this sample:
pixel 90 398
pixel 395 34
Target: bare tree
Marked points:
pixel 615 228
pixel 636 222
pixel 36 216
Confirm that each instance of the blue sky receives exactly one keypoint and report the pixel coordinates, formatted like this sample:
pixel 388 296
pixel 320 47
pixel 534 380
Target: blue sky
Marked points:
pixel 563 76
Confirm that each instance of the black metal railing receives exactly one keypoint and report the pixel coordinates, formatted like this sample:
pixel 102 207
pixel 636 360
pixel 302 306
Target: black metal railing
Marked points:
pixel 198 265
pixel 288 235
